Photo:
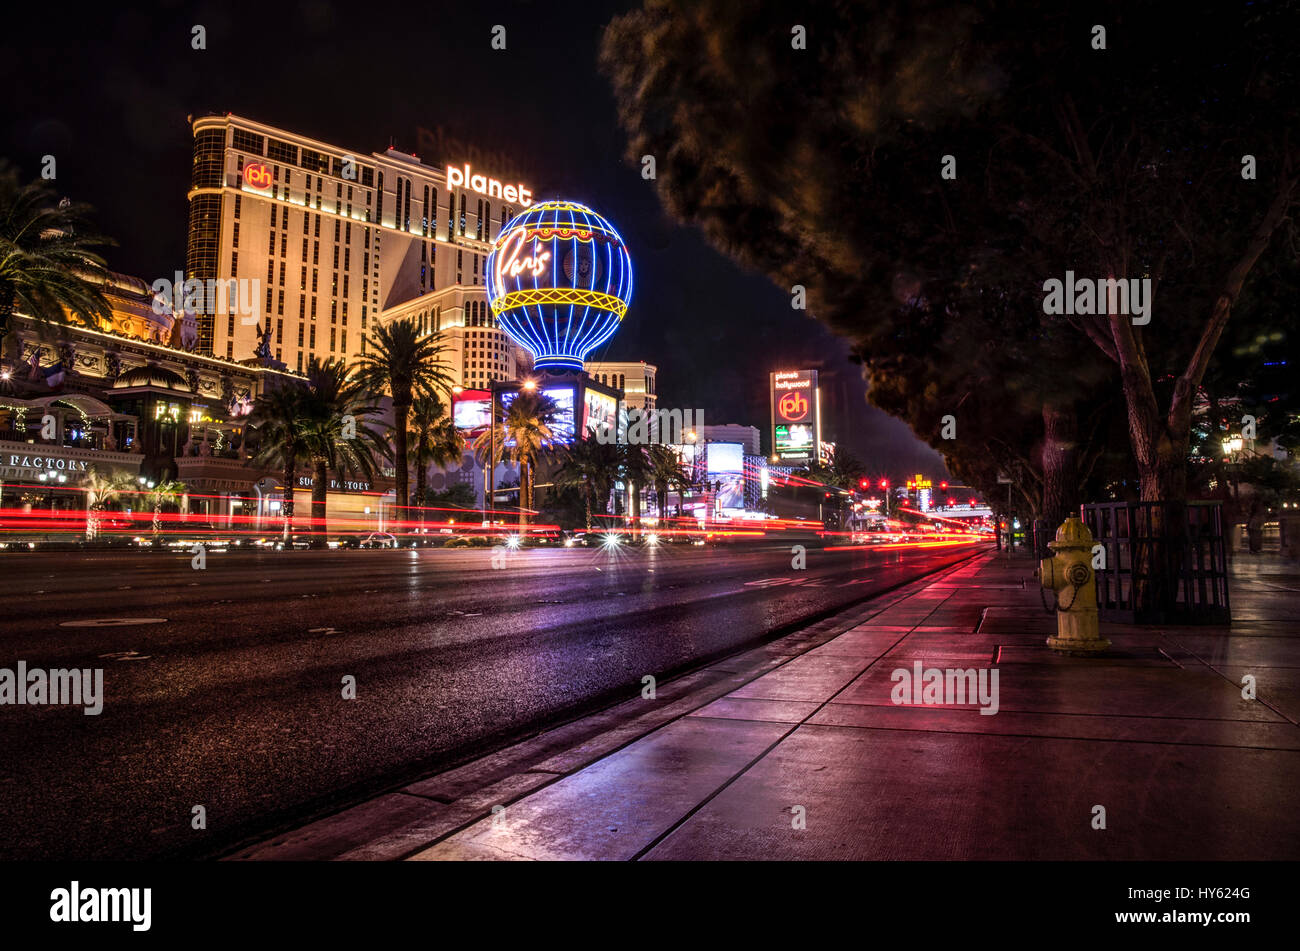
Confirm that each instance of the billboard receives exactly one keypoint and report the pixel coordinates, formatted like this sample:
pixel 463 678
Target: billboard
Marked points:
pixel 796 416
pixel 471 410
pixel 562 428
pixel 599 411
pixel 725 463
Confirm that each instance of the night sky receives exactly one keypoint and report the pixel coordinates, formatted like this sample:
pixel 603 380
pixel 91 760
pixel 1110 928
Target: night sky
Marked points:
pixel 107 92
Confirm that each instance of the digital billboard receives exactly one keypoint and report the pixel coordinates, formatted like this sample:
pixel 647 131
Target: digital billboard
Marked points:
pixel 562 425
pixel 796 415
pixel 471 409
pixel 599 411
pixel 725 463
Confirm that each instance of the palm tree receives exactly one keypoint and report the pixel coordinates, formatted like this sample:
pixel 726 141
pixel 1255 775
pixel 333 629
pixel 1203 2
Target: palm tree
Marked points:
pixel 335 433
pixel 592 466
pixel 635 470
pixel 164 491
pixel 522 436
pixel 275 417
pixel 102 490
pixel 666 470
pixel 400 362
pixel 433 439
pixel 48 267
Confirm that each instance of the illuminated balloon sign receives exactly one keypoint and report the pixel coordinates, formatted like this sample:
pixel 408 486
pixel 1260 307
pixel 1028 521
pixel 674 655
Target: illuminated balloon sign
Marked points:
pixel 257 175
pixel 559 280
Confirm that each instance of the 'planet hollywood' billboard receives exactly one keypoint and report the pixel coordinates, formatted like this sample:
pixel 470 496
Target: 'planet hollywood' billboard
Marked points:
pixel 796 416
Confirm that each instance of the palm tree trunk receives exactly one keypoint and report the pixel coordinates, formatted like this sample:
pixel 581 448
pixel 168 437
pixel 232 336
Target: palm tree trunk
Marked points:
pixel 319 483
pixel 290 476
pixel 400 481
pixel 157 517
pixel 421 479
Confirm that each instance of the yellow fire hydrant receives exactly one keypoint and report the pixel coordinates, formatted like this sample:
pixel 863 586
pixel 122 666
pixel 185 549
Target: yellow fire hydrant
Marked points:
pixel 1069 576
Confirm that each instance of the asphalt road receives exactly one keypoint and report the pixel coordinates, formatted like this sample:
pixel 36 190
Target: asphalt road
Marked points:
pixel 231 697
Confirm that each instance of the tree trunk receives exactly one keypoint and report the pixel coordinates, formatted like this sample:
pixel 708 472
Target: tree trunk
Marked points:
pixel 319 485
pixel 1060 465
pixel 400 476
pixel 587 494
pixel 421 480
pixel 525 492
pixel 290 477
pixel 157 518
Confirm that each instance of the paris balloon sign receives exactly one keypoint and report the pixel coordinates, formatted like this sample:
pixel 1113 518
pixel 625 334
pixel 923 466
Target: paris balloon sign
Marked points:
pixel 559 281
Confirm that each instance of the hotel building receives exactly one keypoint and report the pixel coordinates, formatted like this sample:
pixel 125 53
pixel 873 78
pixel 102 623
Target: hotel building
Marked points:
pixel 337 240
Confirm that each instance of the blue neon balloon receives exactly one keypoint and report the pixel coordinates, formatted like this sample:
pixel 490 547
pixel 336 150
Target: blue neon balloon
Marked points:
pixel 559 280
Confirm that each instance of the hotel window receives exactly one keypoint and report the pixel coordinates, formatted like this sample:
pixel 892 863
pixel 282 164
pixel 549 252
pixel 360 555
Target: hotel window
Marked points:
pixel 334 311
pixel 461 229
pixel 278 354
pixel 284 243
pixel 300 326
pixel 338 226
pixel 299 360
pixel 304 250
pixel 237 202
pixel 235 235
pixel 367 231
pixel 270 272
pixel 312 345
pixel 270 246
pixel 313 308
pixel 268 300
pixel 279 309
pixel 317 225
pixel 345 287
pixel 347 234
pixel 230 350
pixel 406 208
pixel 279 332
pixel 230 325
pixel 338 192
pixel 478 221
pixel 282 274
pixel 349 193
pixel 282 151
pixel 284 217
pixel 345 313
pixel 315 280
pixel 302 278
pixel 315 252
pixel 302 308
pixel 234 262
pixel 308 188
pixel 424 219
pixel 275 175
pixel 336 255
pixel 248 142
pixel 343 341
pixel 331 338
pixel 365 262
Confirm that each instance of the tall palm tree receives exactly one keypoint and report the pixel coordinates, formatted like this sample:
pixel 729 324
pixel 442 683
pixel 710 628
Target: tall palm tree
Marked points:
pixel 433 439
pixel 48 265
pixel 403 364
pixel 666 470
pixel 275 417
pixel 336 432
pixel 522 435
pixel 591 466
pixel 165 491
pixel 102 490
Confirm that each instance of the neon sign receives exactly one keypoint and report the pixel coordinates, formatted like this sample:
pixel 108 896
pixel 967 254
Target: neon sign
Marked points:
pixel 793 406
pixel 463 176
pixel 508 262
pixel 257 175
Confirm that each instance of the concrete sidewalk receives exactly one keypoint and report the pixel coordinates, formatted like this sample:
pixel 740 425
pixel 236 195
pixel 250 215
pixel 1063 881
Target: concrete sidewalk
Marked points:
pixel 726 759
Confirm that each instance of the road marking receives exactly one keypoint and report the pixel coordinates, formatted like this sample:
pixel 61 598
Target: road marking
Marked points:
pixel 114 622
pixel 125 655
pixel 322 630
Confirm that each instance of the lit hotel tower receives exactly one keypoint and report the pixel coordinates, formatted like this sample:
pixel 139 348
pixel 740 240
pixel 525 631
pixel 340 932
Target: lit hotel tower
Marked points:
pixel 338 240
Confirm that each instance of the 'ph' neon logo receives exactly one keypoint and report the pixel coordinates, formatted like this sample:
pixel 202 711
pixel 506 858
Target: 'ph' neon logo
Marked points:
pixel 257 175
pixel 793 406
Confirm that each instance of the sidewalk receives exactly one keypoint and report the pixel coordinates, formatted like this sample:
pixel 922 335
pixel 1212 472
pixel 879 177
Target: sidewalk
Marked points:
pixel 1156 732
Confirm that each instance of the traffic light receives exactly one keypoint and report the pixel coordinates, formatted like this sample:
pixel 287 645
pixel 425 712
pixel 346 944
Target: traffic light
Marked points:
pixel 884 483
pixel 943 486
pixel 864 483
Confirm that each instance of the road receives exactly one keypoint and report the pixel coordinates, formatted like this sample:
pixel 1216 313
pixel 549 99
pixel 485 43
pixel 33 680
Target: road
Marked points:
pixel 228 694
